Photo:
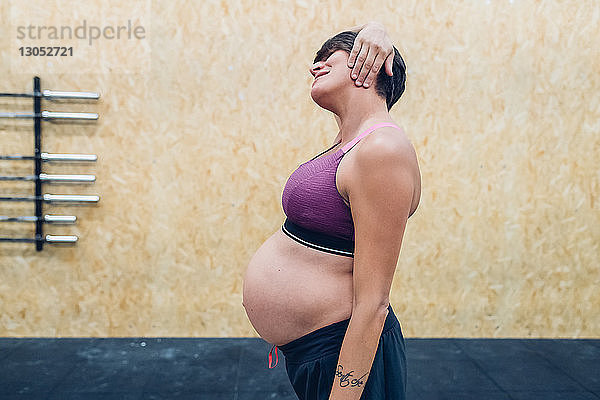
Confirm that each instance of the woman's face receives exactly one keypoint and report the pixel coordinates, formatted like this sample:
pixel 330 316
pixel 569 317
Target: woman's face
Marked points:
pixel 330 75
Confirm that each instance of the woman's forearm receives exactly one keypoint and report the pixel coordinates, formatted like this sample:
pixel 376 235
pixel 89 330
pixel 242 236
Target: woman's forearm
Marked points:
pixel 357 354
pixel 357 28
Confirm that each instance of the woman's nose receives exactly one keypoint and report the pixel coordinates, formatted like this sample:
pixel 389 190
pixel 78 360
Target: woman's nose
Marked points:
pixel 315 67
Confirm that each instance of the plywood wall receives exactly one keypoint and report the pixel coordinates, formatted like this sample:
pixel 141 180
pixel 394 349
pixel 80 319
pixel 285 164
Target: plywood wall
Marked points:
pixel 203 120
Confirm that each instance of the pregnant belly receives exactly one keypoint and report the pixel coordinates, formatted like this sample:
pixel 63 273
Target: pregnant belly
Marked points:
pixel 291 290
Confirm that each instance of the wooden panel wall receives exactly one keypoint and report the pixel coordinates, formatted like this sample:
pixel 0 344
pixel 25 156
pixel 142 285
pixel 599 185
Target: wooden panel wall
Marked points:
pixel 203 120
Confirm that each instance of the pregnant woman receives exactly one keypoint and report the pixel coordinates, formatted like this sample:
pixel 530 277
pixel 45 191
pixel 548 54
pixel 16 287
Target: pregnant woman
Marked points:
pixel 318 288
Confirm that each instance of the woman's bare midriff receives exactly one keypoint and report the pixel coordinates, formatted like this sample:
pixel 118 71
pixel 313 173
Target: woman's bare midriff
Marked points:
pixel 291 289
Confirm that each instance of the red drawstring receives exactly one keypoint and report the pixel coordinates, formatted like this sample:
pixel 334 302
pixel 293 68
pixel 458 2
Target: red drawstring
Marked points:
pixel 271 357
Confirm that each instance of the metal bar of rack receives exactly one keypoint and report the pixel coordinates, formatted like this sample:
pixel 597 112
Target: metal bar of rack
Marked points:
pixel 50 115
pixel 51 178
pixel 54 157
pixel 48 219
pixel 56 94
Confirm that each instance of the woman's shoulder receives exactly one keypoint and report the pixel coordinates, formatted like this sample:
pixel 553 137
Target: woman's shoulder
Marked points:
pixel 389 142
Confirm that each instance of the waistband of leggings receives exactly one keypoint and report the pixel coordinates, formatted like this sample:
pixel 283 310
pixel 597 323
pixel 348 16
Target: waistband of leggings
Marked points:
pixel 318 240
pixel 325 340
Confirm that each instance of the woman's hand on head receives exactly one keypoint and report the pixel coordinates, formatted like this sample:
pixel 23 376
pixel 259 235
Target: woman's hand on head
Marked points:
pixel 372 48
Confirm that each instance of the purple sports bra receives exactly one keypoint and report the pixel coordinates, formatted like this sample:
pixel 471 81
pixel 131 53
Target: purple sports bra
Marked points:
pixel 312 202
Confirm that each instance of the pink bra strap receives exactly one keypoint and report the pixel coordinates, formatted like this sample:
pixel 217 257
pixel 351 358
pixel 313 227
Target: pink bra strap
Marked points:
pixel 365 133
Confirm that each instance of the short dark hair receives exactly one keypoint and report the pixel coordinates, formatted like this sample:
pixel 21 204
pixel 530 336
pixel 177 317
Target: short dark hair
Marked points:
pixel 388 87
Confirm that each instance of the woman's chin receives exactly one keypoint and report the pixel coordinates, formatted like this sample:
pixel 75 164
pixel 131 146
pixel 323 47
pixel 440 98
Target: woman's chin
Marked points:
pixel 315 92
pixel 320 98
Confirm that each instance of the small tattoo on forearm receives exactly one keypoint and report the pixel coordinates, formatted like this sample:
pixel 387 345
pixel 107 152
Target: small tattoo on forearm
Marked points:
pixel 344 381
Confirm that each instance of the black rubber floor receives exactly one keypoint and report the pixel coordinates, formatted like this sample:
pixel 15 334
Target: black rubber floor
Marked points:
pixel 236 369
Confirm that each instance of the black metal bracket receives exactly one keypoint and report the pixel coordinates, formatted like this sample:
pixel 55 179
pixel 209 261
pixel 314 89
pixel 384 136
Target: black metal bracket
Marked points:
pixel 37 130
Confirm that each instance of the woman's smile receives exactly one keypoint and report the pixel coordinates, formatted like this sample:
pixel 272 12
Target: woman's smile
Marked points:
pixel 320 74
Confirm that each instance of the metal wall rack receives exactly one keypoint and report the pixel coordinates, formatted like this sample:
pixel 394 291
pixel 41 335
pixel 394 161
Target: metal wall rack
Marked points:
pixel 39 158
